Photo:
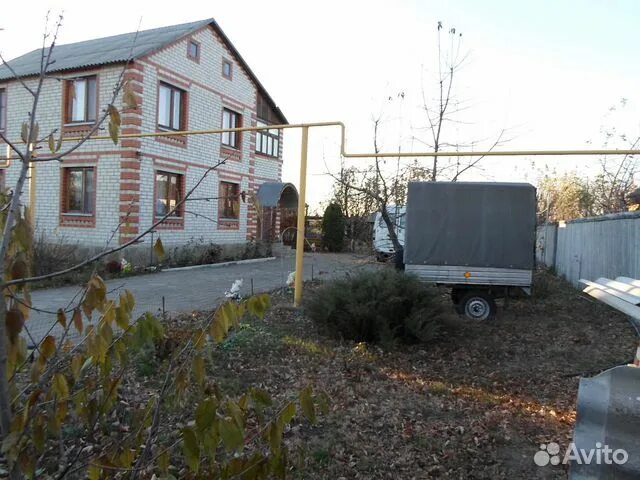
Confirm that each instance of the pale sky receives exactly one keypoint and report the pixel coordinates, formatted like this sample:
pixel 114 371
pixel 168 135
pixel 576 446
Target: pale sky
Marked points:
pixel 546 70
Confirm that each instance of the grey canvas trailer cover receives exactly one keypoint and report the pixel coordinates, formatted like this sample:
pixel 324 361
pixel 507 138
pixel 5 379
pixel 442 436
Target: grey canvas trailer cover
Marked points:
pixel 476 237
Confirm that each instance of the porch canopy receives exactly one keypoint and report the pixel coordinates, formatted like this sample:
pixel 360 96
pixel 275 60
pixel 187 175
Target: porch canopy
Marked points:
pixel 278 194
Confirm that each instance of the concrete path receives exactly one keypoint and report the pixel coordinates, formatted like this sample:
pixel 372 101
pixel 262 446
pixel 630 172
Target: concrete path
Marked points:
pixel 195 289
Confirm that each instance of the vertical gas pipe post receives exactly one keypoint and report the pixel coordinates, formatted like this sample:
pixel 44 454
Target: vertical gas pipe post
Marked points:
pixel 297 295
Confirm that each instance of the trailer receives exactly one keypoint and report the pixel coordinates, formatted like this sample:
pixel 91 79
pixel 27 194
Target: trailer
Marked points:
pixel 478 238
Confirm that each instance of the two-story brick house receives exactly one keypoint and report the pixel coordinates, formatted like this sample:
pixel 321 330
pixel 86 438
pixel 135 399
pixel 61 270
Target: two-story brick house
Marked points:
pixel 185 77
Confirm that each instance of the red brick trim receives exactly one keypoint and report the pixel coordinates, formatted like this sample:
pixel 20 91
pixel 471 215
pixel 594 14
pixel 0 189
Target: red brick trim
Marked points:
pixel 129 203
pixel 176 223
pixel 129 197
pixel 125 229
pixel 170 165
pixel 219 170
pixel 129 209
pixel 129 165
pixel 234 105
pixel 129 186
pixel 228 224
pixel 132 76
pixel 228 176
pixel 135 111
pixel 130 143
pixel 137 87
pixel 232 153
pixel 128 120
pixel 174 79
pixel 79 162
pixel 136 65
pixel 77 221
pixel 175 141
pixel 190 82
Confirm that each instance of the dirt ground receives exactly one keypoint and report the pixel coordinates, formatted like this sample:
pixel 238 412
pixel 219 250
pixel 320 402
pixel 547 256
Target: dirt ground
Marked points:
pixel 476 405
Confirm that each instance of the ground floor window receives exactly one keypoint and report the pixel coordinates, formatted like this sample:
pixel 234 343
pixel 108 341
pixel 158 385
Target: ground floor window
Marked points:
pixel 168 194
pixel 229 202
pixel 79 190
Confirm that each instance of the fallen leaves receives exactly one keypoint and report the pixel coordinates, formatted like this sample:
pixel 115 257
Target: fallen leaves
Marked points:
pixel 474 406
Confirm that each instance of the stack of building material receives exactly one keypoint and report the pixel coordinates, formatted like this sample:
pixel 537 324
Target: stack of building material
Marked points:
pixel 608 409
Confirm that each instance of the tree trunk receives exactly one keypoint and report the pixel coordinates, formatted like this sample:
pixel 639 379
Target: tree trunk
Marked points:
pixel 12 214
pixel 5 401
pixel 391 228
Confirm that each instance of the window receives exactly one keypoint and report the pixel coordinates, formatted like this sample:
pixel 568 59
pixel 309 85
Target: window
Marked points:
pixel 231 119
pixel 229 202
pixel 227 69
pixel 267 141
pixel 168 193
pixel 193 50
pixel 170 107
pixel 3 109
pixel 81 100
pixel 79 185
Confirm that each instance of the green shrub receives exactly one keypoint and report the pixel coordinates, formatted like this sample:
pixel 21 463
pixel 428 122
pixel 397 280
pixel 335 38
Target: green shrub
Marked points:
pixel 385 306
pixel 333 225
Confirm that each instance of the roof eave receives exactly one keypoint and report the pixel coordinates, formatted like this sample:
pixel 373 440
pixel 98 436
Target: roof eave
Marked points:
pixel 199 25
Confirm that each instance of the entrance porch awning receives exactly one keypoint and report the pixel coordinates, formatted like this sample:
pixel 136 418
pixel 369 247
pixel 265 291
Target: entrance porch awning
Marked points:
pixel 278 194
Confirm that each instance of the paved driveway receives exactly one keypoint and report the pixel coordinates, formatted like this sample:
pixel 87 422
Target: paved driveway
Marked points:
pixel 196 289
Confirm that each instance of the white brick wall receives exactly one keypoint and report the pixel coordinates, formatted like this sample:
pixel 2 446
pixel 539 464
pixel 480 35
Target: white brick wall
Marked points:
pixel 208 93
pixel 48 178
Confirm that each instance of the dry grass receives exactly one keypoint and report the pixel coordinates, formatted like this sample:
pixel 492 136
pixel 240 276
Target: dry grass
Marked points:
pixel 475 405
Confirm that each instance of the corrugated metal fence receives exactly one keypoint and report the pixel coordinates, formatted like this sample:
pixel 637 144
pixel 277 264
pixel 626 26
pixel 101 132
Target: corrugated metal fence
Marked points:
pixel 606 246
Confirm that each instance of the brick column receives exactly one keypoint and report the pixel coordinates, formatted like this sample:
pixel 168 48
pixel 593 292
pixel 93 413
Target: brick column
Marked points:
pixel 130 158
pixel 252 214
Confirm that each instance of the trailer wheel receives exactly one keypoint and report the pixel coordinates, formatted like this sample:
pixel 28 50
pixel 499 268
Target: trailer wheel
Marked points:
pixel 478 305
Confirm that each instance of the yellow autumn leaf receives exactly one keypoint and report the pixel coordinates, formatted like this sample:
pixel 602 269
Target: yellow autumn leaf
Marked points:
pixel 158 248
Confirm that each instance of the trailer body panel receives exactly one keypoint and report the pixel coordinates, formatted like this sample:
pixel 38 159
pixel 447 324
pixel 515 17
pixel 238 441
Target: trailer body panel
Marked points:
pixel 455 275
pixel 471 233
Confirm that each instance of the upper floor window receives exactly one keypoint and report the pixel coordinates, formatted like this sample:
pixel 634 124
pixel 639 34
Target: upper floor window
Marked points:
pixel 79 190
pixel 267 141
pixel 171 107
pixel 82 100
pixel 227 69
pixel 229 201
pixel 3 109
pixel 193 50
pixel 168 193
pixel 231 119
